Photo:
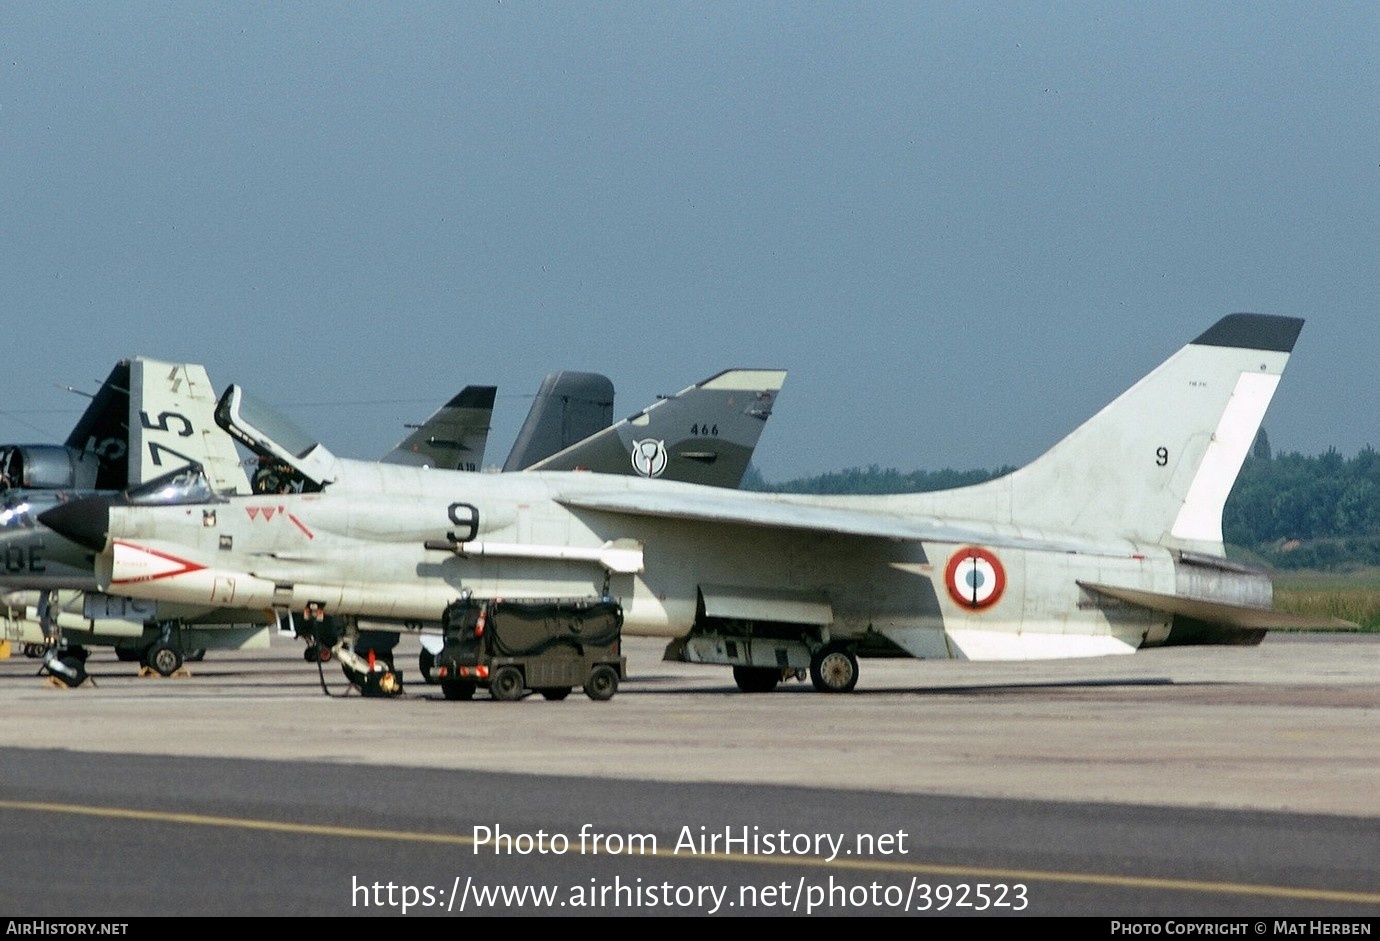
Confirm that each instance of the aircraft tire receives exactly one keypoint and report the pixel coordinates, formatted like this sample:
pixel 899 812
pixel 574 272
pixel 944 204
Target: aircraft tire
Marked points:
pixel 34 651
pixel 77 666
pixel 834 669
pixel 458 690
pixel 425 661
pixel 554 693
pixel 164 659
pixel 602 683
pixel 506 684
pixel 756 679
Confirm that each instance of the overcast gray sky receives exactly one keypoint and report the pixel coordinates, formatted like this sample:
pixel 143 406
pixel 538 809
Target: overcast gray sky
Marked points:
pixel 961 229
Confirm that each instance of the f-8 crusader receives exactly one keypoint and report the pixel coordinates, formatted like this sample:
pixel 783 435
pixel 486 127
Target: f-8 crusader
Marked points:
pixel 1108 543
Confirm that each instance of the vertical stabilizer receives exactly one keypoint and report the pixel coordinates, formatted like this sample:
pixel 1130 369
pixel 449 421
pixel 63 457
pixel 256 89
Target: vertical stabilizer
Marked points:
pixel 102 432
pixel 172 422
pixel 1157 464
pixel 454 437
pixel 704 434
pixel 569 407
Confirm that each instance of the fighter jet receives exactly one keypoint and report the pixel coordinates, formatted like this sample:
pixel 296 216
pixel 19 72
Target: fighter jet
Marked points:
pixel 146 418
pixel 1109 543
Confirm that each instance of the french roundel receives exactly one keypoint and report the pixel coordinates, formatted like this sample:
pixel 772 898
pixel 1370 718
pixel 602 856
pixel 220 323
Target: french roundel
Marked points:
pixel 975 578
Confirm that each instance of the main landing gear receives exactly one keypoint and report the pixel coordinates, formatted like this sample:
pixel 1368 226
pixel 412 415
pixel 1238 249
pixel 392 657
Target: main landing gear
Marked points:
pixel 163 658
pixel 833 669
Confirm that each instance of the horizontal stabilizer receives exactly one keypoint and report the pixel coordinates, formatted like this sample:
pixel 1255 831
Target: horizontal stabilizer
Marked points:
pixel 1231 615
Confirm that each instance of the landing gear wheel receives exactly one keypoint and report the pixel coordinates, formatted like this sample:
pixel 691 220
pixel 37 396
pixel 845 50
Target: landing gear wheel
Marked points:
pixel 457 690
pixel 34 651
pixel 73 673
pixel 164 659
pixel 756 679
pixel 555 693
pixel 506 684
pixel 602 683
pixel 425 661
pixel 834 669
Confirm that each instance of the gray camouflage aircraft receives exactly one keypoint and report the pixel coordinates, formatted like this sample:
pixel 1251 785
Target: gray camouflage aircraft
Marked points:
pixel 1108 543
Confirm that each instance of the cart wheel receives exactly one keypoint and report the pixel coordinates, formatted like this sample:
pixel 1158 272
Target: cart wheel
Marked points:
pixel 602 683
pixel 506 684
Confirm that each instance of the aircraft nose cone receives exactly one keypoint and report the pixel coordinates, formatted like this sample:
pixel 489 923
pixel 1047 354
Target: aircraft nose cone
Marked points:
pixel 85 521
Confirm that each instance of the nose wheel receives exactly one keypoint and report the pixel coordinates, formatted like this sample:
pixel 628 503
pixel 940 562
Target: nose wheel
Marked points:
pixel 67 666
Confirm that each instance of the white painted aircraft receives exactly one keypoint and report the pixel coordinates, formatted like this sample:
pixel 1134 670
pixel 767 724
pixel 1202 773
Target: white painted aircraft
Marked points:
pixel 1108 543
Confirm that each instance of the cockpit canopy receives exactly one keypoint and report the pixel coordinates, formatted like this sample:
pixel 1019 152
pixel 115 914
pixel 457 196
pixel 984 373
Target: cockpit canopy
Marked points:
pixel 187 484
pixel 289 458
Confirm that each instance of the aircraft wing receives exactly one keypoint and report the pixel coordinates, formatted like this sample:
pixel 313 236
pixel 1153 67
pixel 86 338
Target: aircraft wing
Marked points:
pixel 726 507
pixel 455 435
pixel 1242 617
pixel 769 510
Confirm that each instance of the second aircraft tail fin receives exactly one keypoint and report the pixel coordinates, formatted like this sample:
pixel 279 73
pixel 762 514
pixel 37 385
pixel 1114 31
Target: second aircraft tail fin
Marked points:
pixel 454 437
pixel 704 434
pixel 570 406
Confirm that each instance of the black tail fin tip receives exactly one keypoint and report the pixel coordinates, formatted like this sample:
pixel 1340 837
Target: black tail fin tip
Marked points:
pixel 1253 332
pixel 474 397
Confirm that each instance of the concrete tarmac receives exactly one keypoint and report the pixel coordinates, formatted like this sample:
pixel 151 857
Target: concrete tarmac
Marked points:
pixel 1185 782
pixel 1290 725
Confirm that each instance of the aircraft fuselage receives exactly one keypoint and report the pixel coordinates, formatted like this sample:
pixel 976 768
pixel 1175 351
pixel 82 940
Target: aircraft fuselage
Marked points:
pixel 422 538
